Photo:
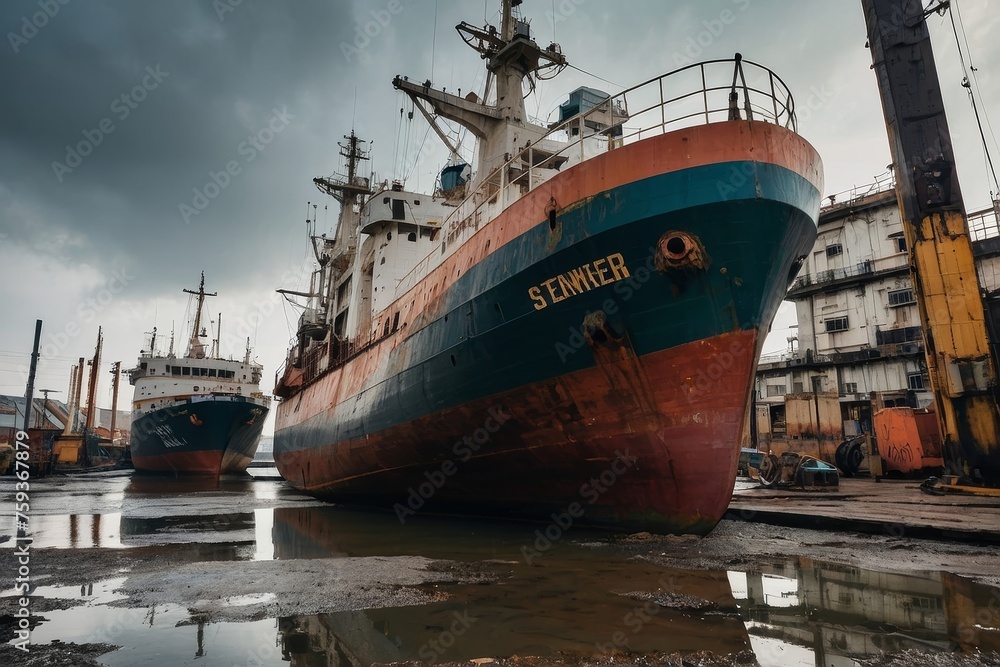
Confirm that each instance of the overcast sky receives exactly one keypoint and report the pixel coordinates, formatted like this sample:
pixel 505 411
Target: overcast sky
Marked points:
pixel 162 95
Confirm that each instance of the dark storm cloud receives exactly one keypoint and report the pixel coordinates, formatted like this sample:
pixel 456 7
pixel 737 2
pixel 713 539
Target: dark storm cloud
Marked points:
pixel 151 98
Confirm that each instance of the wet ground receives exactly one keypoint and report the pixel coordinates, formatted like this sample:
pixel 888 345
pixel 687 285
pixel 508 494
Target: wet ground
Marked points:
pixel 130 570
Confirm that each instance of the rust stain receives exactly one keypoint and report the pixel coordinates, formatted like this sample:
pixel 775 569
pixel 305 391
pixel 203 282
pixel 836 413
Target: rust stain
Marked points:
pixel 681 251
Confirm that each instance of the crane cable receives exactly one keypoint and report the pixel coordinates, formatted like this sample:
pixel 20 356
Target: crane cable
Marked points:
pixel 967 83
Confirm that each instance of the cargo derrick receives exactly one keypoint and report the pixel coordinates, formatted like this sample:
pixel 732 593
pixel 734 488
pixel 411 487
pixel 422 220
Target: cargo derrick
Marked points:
pixel 945 282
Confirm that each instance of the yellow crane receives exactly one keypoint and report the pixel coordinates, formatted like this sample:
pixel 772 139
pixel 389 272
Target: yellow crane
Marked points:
pixel 945 282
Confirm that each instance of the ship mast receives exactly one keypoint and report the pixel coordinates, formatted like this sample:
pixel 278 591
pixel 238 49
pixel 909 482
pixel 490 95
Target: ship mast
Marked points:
pixel 350 189
pixel 511 57
pixel 196 349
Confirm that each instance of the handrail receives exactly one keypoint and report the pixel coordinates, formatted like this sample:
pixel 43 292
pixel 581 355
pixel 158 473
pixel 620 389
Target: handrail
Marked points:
pixel 765 97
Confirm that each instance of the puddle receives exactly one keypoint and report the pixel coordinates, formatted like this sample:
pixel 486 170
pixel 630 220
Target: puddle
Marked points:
pixel 811 614
pixel 76 531
pixel 98 593
pixel 164 635
pixel 574 598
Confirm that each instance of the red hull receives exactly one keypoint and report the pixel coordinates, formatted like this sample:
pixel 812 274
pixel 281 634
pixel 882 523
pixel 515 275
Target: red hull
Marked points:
pixel 650 454
pixel 196 463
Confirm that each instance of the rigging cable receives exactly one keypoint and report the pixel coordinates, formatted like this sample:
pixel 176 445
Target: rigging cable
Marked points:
pixel 975 72
pixel 434 38
pixel 416 158
pixel 395 145
pixel 966 83
pixel 583 71
pixel 406 140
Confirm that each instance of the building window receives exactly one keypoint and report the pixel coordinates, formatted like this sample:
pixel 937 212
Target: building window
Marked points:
pixel 915 381
pixel 776 390
pixel 901 297
pixel 836 324
pixel 900 242
pixel 850 387
pixel 834 250
pixel 185 370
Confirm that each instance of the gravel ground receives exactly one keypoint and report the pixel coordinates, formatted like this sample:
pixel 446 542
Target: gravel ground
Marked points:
pixel 56 654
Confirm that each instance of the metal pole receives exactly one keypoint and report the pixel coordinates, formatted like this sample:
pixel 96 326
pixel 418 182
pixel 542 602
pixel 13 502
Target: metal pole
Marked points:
pixel 70 409
pixel 31 376
pixel 77 395
pixel 92 385
pixel 116 371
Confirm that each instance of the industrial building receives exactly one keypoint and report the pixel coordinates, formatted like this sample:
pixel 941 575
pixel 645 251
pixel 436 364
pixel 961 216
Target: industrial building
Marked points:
pixel 859 345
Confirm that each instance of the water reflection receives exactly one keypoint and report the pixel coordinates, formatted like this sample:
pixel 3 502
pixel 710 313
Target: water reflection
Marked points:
pixel 179 485
pixel 838 611
pixel 574 600
pixel 76 531
pixel 582 601
pixel 192 511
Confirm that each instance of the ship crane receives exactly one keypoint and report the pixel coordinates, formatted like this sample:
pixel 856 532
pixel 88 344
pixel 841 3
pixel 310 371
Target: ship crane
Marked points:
pixel 942 267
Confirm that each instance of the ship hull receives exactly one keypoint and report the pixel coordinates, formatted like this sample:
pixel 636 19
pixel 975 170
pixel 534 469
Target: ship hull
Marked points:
pixel 214 436
pixel 622 378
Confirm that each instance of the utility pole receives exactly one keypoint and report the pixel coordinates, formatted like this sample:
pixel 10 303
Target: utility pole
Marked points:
pixel 942 265
pixel 45 404
pixel 31 376
pixel 116 372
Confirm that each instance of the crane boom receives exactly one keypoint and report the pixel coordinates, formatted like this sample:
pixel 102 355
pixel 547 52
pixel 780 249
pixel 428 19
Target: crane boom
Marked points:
pixel 942 266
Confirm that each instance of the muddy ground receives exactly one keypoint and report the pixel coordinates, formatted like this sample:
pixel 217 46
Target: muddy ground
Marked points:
pixel 172 566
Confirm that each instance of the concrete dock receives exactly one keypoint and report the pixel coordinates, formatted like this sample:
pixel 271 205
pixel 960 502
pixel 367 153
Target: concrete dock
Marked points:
pixel 896 508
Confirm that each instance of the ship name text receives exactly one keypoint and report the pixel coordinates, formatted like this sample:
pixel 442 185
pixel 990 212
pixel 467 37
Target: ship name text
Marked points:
pixel 590 276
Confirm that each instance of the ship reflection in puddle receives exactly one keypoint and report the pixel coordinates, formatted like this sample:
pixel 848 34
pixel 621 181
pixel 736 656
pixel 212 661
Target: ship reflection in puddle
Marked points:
pixel 162 509
pixel 575 601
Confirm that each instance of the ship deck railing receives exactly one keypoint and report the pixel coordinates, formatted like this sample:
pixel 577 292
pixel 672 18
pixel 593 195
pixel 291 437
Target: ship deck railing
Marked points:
pixel 697 94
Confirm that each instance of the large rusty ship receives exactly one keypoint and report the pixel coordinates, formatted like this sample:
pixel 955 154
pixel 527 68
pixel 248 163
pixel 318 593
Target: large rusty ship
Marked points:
pixel 568 329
